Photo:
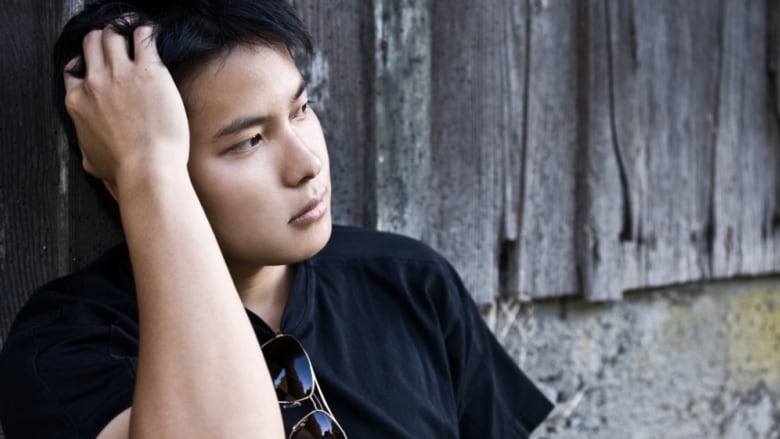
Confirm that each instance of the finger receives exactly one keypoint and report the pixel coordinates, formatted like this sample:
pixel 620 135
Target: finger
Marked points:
pixel 94 60
pixel 71 81
pixel 129 19
pixel 115 48
pixel 145 44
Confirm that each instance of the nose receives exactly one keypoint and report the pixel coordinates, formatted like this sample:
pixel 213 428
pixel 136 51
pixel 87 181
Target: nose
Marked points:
pixel 300 162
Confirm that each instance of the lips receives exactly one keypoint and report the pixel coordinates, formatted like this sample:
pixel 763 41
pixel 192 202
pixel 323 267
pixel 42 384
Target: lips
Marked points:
pixel 313 211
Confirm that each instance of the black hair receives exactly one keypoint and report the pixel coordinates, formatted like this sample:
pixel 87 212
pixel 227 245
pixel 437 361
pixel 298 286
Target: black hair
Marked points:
pixel 187 33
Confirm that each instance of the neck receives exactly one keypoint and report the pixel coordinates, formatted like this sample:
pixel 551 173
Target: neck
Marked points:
pixel 265 291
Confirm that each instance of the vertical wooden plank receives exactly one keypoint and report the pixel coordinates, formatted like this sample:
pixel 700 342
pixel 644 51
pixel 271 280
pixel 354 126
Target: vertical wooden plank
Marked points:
pixel 473 62
pixel 667 144
pixel 747 147
pixel 614 178
pixel 340 80
pixel 663 62
pixel 603 190
pixel 546 248
pixel 34 231
pixel 402 123
pixel 515 33
pixel 33 182
pixel 773 43
pixel 773 35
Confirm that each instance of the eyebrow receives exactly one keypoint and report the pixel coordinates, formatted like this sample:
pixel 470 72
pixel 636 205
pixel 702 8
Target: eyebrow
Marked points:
pixel 243 123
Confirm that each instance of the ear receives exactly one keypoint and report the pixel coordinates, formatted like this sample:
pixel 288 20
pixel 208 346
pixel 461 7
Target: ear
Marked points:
pixel 111 190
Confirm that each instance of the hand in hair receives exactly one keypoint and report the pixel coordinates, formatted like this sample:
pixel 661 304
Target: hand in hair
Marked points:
pixel 128 113
pixel 200 370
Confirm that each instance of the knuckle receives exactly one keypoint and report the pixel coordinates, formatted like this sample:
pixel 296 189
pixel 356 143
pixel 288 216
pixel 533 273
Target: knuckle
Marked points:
pixel 94 34
pixel 72 99
pixel 93 83
pixel 87 166
pixel 143 30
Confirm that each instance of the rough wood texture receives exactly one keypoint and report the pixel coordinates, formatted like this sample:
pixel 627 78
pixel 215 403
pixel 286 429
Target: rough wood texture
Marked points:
pixel 467 142
pixel 340 81
pixel 402 60
pixel 546 254
pixel 682 148
pixel 34 232
pixel 660 92
pixel 746 238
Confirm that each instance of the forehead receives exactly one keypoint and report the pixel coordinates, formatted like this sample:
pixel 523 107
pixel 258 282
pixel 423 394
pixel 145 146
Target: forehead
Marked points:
pixel 248 76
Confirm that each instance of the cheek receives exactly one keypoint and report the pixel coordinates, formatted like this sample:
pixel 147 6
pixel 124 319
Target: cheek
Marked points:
pixel 204 179
pixel 237 193
pixel 216 186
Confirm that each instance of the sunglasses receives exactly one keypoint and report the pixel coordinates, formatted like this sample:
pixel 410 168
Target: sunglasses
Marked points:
pixel 295 382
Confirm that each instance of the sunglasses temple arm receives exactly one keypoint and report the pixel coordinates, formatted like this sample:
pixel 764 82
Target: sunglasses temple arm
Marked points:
pixel 320 398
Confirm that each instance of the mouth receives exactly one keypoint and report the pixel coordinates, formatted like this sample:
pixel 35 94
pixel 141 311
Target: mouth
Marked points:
pixel 313 211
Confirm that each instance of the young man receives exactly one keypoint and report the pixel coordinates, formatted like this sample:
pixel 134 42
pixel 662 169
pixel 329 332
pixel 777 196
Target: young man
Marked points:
pixel 197 121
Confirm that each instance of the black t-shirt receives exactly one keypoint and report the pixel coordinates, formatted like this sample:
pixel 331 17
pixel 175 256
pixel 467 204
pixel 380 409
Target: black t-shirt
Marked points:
pixel 398 347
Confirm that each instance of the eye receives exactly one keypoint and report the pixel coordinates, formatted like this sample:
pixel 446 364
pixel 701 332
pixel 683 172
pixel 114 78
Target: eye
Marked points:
pixel 247 144
pixel 302 110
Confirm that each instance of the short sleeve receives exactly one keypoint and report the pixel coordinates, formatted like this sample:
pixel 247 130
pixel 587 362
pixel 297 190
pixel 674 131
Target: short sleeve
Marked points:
pixel 495 398
pixel 68 366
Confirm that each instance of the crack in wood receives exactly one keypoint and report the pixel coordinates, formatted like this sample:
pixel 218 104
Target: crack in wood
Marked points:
pixel 710 227
pixel 524 139
pixel 625 190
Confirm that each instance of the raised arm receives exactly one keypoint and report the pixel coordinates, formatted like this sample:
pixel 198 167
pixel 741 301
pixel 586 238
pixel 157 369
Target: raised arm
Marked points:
pixel 200 369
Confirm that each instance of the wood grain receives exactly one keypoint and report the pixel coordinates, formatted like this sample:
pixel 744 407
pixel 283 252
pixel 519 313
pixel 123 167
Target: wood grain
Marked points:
pixel 34 232
pixel 34 235
pixel 651 156
pixel 402 69
pixel 546 247
pixel 472 64
pixel 340 82
pixel 747 148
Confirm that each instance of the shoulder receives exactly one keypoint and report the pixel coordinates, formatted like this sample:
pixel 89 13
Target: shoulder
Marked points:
pixel 98 295
pixel 349 243
pixel 73 333
pixel 105 283
pixel 389 265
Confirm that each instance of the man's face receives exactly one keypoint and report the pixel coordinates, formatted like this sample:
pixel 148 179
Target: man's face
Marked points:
pixel 258 158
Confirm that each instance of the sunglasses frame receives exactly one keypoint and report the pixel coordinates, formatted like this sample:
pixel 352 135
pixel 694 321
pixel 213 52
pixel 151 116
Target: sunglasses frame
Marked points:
pixel 302 423
pixel 315 394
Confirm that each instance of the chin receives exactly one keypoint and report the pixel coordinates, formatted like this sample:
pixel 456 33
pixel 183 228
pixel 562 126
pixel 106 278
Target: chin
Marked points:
pixel 320 235
pixel 295 247
pixel 306 243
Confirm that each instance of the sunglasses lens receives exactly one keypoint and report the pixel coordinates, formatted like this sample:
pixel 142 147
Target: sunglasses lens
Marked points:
pixel 290 368
pixel 318 425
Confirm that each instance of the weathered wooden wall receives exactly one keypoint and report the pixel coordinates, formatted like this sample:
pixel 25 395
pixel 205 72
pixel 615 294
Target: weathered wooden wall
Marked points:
pixel 547 148
pixel 683 132
pixel 559 147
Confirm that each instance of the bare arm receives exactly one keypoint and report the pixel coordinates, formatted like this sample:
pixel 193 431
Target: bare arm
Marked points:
pixel 200 371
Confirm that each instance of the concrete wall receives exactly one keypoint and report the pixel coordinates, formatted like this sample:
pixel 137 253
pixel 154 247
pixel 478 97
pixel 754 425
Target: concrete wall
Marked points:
pixel 696 361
